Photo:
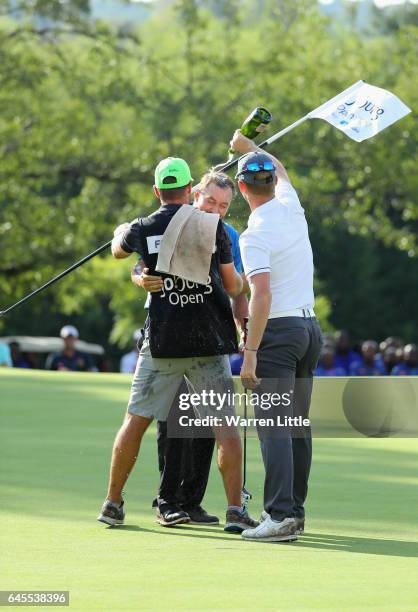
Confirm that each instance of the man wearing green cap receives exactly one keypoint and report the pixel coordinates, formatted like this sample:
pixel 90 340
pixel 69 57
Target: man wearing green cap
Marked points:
pixel 189 333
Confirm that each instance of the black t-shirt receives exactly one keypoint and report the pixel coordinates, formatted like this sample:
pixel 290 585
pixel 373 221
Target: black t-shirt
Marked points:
pixel 185 319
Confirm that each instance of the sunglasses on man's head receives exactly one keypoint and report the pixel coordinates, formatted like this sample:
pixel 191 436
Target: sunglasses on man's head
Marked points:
pixel 259 166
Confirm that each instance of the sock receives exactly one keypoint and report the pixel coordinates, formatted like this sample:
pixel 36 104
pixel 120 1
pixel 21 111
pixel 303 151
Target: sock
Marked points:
pixel 236 508
pixel 117 505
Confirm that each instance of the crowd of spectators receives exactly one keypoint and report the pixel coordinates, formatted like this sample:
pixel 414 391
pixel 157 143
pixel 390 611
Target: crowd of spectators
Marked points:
pixel 339 356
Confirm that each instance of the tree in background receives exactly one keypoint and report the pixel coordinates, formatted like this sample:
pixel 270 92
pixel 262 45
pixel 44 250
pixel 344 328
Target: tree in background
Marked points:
pixel 87 110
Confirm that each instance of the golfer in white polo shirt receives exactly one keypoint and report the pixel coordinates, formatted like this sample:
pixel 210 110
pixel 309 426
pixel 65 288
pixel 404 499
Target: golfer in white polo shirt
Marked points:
pixel 284 337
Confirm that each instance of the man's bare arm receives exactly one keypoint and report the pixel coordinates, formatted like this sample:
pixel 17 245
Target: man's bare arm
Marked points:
pixel 117 251
pixel 240 310
pixel 231 280
pixel 259 309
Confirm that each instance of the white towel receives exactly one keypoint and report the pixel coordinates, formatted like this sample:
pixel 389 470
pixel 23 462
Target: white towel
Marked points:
pixel 188 244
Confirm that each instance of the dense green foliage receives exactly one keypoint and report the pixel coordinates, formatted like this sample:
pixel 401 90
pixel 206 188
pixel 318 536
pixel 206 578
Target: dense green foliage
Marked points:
pixel 86 112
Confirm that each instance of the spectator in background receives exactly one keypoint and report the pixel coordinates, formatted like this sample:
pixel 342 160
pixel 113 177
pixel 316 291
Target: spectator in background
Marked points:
pixel 5 356
pixel 410 365
pixel 69 359
pixel 128 361
pixel 383 346
pixel 389 359
pixel 20 360
pixel 345 357
pixel 394 341
pixel 103 364
pixel 326 365
pixel 328 341
pixel 367 365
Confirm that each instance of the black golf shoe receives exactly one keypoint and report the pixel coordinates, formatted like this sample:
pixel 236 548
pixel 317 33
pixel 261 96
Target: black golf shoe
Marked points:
pixel 169 516
pixel 199 516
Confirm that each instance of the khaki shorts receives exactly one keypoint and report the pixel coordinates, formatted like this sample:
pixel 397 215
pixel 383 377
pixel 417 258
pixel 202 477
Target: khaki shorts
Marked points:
pixel 157 381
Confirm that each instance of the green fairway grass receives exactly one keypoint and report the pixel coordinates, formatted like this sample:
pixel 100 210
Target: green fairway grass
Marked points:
pixel 360 550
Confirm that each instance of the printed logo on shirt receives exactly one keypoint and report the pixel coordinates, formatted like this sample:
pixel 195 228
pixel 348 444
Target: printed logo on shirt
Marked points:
pixel 174 290
pixel 153 244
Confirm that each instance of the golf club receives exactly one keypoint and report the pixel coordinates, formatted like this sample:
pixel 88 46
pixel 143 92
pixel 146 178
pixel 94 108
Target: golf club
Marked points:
pixel 245 494
pixel 57 278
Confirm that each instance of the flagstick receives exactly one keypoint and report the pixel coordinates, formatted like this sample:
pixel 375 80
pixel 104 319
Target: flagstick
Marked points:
pixel 283 132
pixel 233 162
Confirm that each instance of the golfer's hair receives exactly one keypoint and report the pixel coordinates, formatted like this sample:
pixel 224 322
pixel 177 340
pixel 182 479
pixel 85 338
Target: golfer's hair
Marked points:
pixel 172 195
pixel 220 179
pixel 262 189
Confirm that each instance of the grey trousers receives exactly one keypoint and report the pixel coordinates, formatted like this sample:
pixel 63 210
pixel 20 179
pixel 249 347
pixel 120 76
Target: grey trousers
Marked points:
pixel 286 360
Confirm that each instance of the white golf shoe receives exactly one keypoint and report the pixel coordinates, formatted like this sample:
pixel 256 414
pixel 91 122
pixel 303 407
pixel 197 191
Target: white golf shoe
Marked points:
pixel 272 531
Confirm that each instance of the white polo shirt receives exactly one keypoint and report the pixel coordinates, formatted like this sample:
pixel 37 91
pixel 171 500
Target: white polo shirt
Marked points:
pixel 277 241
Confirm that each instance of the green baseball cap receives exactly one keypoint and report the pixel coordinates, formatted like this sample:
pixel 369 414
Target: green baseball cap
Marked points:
pixel 172 172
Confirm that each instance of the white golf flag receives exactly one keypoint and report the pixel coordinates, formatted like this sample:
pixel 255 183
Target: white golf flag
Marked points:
pixel 362 110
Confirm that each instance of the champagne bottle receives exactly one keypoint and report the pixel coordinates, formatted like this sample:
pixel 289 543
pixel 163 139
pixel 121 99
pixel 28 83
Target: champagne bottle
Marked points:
pixel 255 123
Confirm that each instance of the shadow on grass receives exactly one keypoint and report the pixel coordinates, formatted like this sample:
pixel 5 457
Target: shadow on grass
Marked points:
pixel 178 530
pixel 174 528
pixel 320 541
pixel 357 544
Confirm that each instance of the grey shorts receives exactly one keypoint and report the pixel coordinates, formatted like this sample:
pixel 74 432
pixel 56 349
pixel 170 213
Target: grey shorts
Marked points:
pixel 157 381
